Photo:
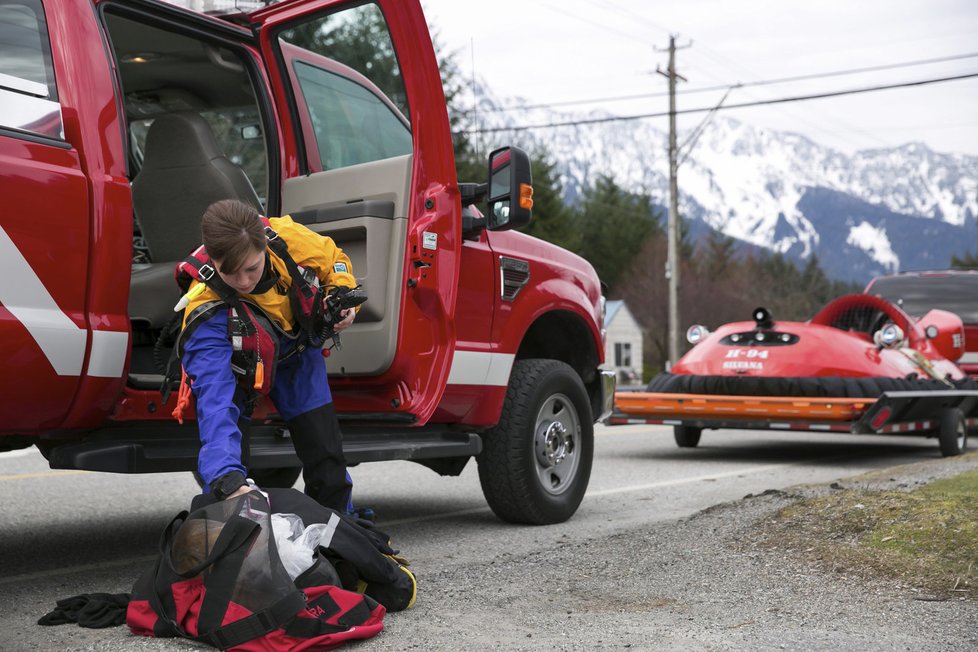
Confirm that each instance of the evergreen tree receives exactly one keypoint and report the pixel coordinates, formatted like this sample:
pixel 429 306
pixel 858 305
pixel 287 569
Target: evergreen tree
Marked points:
pixel 716 255
pixel 966 261
pixel 553 220
pixel 613 225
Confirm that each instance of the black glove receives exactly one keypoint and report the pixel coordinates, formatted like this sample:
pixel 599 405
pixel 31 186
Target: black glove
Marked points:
pixel 227 484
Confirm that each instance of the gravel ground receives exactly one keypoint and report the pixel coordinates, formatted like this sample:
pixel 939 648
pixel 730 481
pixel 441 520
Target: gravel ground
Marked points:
pixel 695 584
pixel 706 582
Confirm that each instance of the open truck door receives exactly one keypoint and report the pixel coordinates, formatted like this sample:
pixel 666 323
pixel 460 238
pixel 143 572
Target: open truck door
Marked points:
pixel 359 91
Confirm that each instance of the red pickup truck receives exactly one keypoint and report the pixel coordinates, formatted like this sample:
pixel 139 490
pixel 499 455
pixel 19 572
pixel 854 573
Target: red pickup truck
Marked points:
pixel 121 121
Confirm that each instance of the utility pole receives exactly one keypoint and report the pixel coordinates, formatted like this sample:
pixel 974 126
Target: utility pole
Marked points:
pixel 672 255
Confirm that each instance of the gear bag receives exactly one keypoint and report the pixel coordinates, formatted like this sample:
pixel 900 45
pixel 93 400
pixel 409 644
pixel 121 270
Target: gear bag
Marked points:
pixel 362 555
pixel 219 580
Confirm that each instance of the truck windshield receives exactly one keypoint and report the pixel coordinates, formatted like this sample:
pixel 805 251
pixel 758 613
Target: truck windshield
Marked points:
pixel 917 295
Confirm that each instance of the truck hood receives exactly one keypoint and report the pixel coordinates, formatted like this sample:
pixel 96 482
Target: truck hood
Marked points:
pixel 526 246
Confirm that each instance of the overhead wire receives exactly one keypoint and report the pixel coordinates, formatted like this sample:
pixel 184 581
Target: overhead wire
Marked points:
pixel 720 87
pixel 686 148
pixel 781 100
pixel 724 61
pixel 817 121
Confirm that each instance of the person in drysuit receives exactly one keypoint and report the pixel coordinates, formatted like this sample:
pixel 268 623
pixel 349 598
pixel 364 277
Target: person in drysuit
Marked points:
pixel 237 245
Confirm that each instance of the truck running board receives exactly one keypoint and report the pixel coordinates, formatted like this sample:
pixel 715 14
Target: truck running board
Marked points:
pixel 173 448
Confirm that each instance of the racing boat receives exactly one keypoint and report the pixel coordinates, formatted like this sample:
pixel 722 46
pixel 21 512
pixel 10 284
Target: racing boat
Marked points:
pixel 860 365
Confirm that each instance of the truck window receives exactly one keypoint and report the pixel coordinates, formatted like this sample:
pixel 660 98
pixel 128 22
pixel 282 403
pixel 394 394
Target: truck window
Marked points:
pixel 356 37
pixel 28 95
pixel 352 124
pixel 351 86
pixel 917 295
pixel 238 131
pixel 165 71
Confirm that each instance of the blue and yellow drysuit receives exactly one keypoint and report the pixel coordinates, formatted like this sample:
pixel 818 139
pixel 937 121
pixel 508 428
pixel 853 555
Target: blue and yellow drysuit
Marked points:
pixel 300 390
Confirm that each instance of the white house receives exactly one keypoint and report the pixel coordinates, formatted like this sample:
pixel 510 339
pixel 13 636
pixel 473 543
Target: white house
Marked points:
pixel 623 344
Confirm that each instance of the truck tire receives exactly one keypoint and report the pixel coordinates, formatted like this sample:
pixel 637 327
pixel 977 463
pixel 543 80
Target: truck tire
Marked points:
pixel 687 436
pixel 953 435
pixel 536 462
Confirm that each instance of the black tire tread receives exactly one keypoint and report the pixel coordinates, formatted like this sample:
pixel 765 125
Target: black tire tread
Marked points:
pixel 502 462
pixel 687 436
pixel 947 437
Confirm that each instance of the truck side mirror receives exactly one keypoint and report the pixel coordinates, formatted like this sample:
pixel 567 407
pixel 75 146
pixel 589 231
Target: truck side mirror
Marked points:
pixel 510 189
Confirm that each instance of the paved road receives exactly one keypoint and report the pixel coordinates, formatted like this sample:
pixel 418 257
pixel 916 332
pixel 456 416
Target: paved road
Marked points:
pixel 66 533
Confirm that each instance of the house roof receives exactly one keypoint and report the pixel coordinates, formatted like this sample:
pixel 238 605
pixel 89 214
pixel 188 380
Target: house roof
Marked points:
pixel 611 307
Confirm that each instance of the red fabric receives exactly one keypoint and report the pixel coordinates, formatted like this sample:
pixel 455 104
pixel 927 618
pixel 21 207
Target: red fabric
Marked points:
pixel 188 596
pixel 279 641
pixel 140 617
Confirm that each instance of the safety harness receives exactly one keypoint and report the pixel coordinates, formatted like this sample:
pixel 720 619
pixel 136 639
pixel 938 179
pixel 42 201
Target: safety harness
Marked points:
pixel 253 335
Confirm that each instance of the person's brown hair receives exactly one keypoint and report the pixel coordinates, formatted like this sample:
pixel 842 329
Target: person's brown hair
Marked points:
pixel 231 231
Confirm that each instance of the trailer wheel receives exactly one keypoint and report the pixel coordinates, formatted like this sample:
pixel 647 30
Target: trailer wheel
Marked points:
pixel 536 462
pixel 953 435
pixel 687 436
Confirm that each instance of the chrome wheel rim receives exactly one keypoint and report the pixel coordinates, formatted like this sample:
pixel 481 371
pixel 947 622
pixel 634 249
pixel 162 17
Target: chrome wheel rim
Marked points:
pixel 556 443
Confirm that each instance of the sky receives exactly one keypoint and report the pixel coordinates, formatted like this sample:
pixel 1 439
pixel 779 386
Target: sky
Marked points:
pixel 559 51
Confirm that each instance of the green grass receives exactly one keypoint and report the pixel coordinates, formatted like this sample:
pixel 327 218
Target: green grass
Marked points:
pixel 926 538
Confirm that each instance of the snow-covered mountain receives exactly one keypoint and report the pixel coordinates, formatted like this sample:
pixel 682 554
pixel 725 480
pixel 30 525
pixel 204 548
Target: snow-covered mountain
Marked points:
pixel 872 212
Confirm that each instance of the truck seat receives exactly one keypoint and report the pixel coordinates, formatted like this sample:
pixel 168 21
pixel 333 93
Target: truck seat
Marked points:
pixel 184 171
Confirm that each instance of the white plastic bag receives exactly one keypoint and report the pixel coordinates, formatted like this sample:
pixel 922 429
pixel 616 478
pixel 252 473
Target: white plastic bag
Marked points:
pixel 293 550
pixel 297 544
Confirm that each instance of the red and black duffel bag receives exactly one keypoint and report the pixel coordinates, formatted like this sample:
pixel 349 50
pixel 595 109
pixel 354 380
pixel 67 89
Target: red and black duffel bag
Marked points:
pixel 219 580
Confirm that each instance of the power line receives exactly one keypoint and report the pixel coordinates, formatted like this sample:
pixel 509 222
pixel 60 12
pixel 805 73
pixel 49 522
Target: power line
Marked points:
pixel 762 82
pixel 700 128
pixel 781 100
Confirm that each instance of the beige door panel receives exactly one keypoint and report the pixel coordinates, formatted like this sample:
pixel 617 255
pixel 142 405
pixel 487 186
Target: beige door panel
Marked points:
pixel 364 209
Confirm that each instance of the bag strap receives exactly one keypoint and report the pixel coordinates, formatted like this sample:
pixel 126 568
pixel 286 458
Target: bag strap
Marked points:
pixel 220 586
pixel 163 605
pixel 207 274
pixel 237 531
pixel 230 549
pixel 313 627
pixel 300 286
pixel 258 623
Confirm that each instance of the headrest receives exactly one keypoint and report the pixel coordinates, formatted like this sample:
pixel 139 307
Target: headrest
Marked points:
pixel 180 140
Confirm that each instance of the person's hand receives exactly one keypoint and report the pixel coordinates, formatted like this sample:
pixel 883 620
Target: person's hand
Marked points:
pixel 348 316
pixel 240 491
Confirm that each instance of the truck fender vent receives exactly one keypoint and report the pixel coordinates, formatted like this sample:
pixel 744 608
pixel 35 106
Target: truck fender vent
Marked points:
pixel 515 273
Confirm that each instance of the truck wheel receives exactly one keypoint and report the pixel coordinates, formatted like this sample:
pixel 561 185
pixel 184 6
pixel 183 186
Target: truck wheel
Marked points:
pixel 953 435
pixel 536 462
pixel 687 436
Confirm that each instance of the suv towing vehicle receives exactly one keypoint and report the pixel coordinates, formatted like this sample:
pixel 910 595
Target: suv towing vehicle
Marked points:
pixel 120 122
pixel 953 290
